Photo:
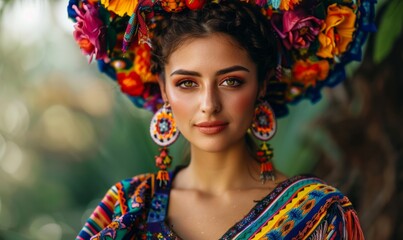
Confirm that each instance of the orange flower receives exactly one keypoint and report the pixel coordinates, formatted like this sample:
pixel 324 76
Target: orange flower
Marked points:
pixel 120 7
pixel 288 4
pixel 130 83
pixel 308 72
pixel 93 2
pixel 142 63
pixel 337 31
pixel 86 45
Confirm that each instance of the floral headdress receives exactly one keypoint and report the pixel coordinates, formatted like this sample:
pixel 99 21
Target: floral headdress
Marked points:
pixel 317 38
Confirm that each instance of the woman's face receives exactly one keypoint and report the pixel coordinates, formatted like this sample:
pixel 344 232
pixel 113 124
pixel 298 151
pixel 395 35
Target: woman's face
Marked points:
pixel 211 85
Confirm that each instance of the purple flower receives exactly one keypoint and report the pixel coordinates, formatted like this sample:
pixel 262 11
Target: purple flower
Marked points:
pixel 90 32
pixel 296 28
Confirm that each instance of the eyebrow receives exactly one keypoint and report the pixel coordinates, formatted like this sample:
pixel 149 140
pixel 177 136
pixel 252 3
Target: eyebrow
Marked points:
pixel 232 69
pixel 220 72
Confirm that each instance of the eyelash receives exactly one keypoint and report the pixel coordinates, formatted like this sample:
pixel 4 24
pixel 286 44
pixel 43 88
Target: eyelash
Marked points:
pixel 181 83
pixel 237 83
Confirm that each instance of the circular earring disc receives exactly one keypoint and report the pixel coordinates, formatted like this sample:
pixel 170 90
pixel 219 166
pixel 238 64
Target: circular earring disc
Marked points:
pixel 163 129
pixel 264 124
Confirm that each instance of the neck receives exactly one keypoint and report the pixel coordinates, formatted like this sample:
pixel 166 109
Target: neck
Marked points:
pixel 215 172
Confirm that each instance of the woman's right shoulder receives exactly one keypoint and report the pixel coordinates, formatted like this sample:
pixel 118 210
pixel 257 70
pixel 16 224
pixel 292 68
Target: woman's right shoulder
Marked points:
pixel 132 192
pixel 128 195
pixel 130 184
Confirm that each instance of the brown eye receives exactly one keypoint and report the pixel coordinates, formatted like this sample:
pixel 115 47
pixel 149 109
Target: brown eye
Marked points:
pixel 231 82
pixel 187 84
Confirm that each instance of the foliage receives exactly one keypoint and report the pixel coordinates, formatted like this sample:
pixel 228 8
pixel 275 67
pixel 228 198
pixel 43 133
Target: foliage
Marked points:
pixel 389 29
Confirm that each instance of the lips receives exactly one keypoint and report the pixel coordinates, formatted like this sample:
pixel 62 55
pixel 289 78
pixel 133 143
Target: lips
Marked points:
pixel 212 127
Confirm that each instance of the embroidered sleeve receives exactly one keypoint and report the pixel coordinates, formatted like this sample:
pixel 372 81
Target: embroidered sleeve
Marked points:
pixel 101 216
pixel 340 222
pixel 116 209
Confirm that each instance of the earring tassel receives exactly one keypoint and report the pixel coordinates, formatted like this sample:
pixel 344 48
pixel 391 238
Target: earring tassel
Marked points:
pixel 264 155
pixel 163 161
pixel 266 171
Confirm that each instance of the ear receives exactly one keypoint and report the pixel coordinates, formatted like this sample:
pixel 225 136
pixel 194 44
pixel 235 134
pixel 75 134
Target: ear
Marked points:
pixel 161 83
pixel 263 85
pixel 262 90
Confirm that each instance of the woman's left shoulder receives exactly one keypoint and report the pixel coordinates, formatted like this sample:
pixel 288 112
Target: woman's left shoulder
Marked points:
pixel 328 211
pixel 315 188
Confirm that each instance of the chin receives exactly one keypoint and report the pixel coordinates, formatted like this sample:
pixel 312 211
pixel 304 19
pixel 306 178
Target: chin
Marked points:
pixel 214 145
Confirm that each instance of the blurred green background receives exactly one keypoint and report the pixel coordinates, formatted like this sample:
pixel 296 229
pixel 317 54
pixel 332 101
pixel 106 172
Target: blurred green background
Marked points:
pixel 67 133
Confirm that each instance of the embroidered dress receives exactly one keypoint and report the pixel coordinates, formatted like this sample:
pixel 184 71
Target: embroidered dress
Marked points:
pixel 302 207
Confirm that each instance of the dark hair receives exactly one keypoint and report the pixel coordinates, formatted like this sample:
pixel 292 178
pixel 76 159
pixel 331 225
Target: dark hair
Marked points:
pixel 240 20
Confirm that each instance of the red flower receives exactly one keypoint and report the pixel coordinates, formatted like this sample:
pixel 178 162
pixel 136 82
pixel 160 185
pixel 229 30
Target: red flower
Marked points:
pixel 195 4
pixel 130 83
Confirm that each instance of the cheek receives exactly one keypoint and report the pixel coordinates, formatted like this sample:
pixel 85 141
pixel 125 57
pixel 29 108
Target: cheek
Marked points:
pixel 181 104
pixel 243 104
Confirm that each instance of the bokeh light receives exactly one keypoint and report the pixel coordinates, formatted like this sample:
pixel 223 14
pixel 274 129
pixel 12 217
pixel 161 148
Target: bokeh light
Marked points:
pixel 26 21
pixel 62 125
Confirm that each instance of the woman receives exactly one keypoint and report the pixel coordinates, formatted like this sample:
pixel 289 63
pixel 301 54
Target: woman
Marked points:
pixel 214 64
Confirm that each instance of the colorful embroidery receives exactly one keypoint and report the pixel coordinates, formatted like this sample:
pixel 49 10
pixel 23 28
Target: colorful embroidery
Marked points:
pixel 302 207
pixel 158 208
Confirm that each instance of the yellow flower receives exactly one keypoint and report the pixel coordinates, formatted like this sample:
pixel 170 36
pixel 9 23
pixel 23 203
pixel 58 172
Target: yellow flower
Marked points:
pixel 337 31
pixel 120 7
pixel 288 4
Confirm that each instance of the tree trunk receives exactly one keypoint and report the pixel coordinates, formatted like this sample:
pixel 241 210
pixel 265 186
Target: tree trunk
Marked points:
pixel 366 126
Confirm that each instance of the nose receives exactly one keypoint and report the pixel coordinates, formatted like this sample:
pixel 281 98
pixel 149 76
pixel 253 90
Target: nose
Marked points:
pixel 210 100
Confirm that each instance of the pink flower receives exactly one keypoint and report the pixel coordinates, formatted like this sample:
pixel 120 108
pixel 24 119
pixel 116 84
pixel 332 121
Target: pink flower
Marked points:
pixel 296 28
pixel 90 32
pixel 261 3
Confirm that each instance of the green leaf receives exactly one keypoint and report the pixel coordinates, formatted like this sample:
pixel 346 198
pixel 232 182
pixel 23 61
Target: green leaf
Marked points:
pixel 389 29
pixel 111 38
pixel 104 15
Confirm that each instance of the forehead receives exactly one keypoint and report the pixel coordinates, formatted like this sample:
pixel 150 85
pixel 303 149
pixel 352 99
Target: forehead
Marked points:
pixel 212 51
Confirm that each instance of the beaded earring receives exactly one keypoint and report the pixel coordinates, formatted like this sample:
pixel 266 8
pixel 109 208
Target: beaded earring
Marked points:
pixel 163 131
pixel 263 128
